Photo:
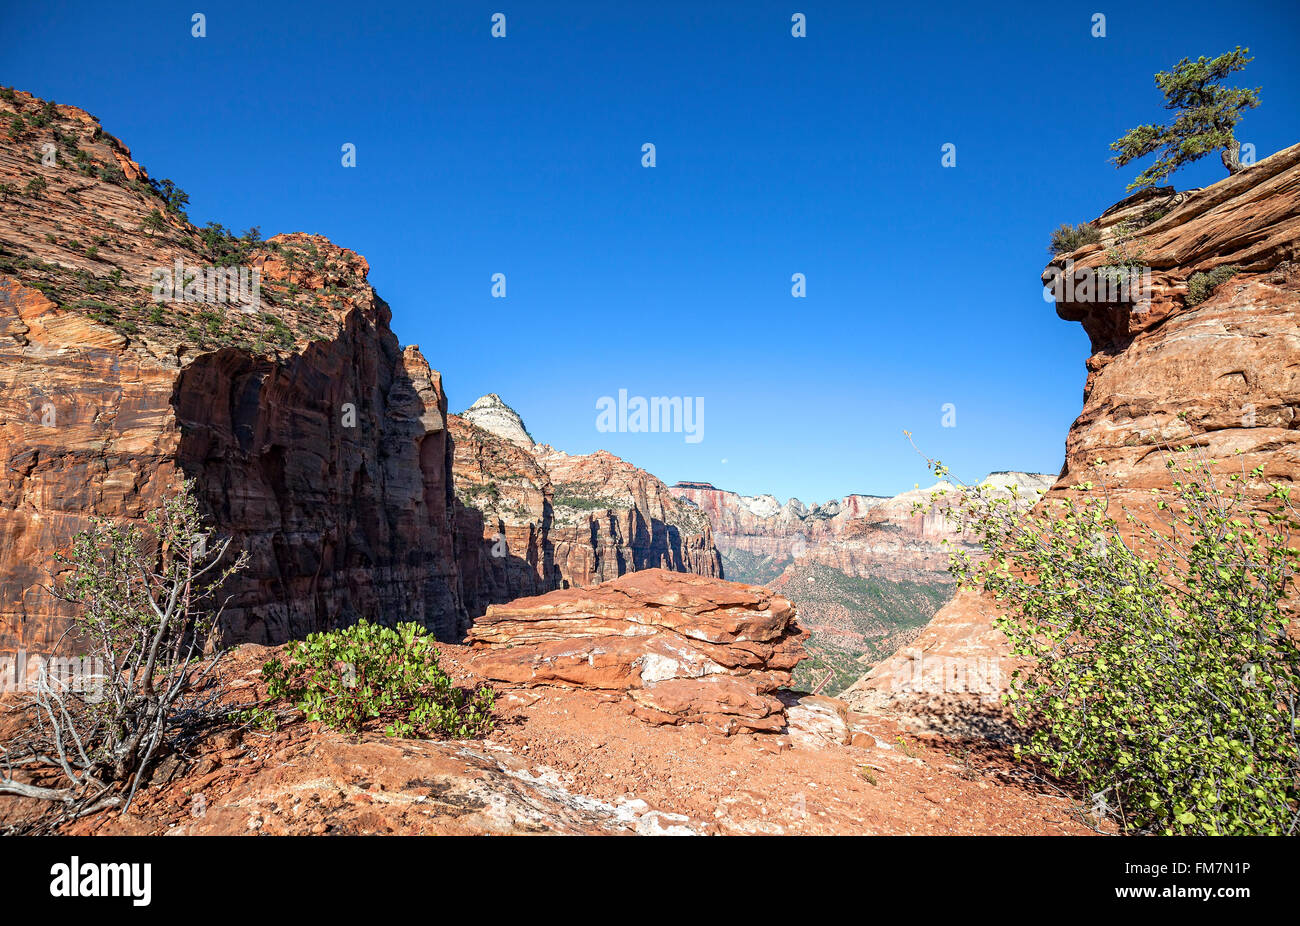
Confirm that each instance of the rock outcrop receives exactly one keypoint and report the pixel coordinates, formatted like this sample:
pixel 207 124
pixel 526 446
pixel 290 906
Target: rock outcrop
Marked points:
pixel 532 518
pixel 1222 374
pixel 681 648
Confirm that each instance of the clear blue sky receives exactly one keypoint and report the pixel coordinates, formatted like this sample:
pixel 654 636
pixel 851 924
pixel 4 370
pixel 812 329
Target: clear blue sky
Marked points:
pixel 775 155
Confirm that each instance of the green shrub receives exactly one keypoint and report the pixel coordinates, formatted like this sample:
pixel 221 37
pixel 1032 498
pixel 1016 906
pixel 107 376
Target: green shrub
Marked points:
pixel 1159 673
pixel 346 678
pixel 36 186
pixel 1201 285
pixel 1068 237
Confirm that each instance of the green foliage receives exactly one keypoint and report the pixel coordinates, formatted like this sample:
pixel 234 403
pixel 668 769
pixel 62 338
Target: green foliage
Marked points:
pixel 226 249
pixel 1067 237
pixel 154 221
pixel 8 95
pixel 1159 675
pixel 1201 285
pixel 36 186
pixel 146 605
pixel 173 196
pixel 17 125
pixel 1207 115
pixel 347 678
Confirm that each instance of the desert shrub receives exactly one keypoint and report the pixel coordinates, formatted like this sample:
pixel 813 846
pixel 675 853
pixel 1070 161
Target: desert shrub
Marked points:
pixel 1159 672
pixel 1068 237
pixel 349 677
pixel 1201 285
pixel 36 186
pixel 147 603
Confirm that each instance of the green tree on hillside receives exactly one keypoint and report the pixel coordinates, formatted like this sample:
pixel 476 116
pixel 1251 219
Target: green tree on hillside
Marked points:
pixel 1206 116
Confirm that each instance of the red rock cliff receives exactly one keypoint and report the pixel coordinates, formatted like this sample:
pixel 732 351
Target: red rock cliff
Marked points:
pixel 532 519
pixel 1222 374
pixel 316 441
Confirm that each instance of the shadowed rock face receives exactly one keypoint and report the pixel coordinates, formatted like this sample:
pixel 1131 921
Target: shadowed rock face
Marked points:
pixel 532 519
pixel 681 647
pixel 1222 375
pixel 316 441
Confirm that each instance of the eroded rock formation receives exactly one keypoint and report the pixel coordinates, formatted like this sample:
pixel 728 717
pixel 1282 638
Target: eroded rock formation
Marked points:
pixel 859 535
pixel 533 519
pixel 681 647
pixel 316 441
pixel 1222 374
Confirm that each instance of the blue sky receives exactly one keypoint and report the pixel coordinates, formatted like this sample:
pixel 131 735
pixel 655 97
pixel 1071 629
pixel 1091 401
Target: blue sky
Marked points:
pixel 775 155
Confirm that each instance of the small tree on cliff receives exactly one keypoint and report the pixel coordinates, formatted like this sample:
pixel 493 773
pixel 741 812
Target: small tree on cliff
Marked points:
pixel 1206 116
pixel 146 607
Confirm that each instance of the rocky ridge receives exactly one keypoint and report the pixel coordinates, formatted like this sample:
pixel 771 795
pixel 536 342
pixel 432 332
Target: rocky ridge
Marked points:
pixel 532 518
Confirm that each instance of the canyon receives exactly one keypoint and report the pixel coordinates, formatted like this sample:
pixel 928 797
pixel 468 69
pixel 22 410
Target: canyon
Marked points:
pixel 313 438
pixel 640 689
pixel 866 572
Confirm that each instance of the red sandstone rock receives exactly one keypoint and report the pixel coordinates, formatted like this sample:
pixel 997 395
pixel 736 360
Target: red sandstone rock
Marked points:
pixel 1222 375
pixel 684 648
pixel 532 519
pixel 860 535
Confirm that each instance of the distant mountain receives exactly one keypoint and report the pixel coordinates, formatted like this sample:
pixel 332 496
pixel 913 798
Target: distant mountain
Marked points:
pixel 866 572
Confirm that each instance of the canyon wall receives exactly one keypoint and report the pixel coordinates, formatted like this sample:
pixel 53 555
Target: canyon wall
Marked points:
pixel 866 572
pixel 533 519
pixel 858 535
pixel 1222 375
pixel 317 442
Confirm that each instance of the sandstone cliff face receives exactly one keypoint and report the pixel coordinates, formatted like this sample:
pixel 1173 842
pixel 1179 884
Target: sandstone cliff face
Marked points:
pixel 316 442
pixel 1223 375
pixel 859 535
pixel 532 518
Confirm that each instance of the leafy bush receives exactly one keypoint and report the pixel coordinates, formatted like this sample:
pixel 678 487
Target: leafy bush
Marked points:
pixel 346 678
pixel 1068 237
pixel 36 186
pixel 1159 670
pixel 1201 285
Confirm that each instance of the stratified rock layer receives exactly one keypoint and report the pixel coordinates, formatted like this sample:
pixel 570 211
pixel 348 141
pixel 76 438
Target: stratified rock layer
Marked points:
pixel 681 647
pixel 900 538
pixel 531 518
pixel 1222 375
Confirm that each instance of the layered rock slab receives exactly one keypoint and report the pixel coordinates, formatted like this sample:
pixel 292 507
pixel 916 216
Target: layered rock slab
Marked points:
pixel 681 648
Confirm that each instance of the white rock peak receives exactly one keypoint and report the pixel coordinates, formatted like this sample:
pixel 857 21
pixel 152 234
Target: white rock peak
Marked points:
pixel 496 417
